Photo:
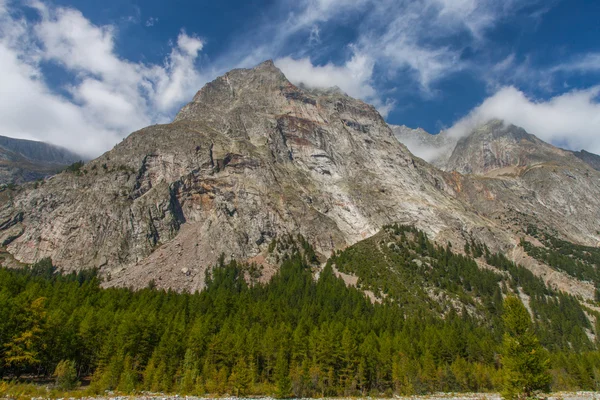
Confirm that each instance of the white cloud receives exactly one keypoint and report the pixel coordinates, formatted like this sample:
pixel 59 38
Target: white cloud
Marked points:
pixel 570 120
pixel 429 153
pixel 109 97
pixel 354 77
pixel 189 44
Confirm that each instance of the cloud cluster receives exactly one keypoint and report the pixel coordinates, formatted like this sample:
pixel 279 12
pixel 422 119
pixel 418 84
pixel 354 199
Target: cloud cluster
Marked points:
pixel 570 120
pixel 106 96
pixel 424 40
pixel 418 41
pixel 398 46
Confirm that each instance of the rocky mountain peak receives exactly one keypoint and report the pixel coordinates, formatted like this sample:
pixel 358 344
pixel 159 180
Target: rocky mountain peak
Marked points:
pixel 590 158
pixel 250 158
pixel 248 103
pixel 496 129
pixel 497 145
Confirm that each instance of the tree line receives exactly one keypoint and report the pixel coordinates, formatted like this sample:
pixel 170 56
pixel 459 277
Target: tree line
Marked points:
pixel 293 336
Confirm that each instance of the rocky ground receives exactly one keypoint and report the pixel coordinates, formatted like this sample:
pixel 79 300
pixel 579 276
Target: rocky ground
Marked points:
pixel 445 396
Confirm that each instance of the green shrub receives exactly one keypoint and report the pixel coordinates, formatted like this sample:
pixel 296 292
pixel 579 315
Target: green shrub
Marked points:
pixel 75 168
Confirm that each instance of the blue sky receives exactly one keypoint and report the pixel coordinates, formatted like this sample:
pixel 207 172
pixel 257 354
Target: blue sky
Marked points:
pixel 85 74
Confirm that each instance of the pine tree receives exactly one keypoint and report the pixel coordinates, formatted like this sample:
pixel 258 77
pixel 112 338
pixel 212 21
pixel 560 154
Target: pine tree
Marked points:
pixel 282 376
pixel 189 373
pixel 129 376
pixel 240 378
pixel 524 360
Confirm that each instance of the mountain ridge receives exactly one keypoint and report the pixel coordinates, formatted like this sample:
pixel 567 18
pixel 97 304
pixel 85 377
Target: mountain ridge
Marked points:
pixel 253 158
pixel 27 160
pixel 438 148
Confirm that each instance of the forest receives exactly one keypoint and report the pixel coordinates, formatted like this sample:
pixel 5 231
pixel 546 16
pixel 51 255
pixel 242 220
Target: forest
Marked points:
pixel 438 323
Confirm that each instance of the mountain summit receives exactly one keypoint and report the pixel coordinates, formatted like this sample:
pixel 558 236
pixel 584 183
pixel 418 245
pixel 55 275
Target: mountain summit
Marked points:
pixel 497 145
pixel 251 159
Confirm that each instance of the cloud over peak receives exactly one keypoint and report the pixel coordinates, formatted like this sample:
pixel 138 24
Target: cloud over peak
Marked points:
pixel 570 120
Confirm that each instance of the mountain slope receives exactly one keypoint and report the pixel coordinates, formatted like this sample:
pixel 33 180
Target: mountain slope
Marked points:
pixel 253 158
pixel 27 160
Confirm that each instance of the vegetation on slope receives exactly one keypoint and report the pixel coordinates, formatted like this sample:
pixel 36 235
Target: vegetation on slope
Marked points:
pixel 579 261
pixel 294 335
pixel 404 267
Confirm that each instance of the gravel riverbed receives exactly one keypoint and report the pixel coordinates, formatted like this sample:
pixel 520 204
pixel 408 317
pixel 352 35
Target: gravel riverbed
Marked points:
pixel 440 396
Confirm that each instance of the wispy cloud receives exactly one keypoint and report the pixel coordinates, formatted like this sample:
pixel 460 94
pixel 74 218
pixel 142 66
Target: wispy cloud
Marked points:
pixel 583 63
pixel 151 22
pixel 421 41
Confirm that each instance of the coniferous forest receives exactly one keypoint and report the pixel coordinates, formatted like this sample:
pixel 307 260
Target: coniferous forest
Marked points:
pixel 438 322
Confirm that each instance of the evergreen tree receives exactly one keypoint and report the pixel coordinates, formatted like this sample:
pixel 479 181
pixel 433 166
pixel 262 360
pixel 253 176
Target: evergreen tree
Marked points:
pixel 284 384
pixel 524 360
pixel 295 335
pixel 66 375
pixel 240 379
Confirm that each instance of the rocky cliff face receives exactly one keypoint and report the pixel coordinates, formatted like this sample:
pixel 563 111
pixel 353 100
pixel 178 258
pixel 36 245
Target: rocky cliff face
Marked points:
pixel 252 158
pixel 523 174
pixel 26 160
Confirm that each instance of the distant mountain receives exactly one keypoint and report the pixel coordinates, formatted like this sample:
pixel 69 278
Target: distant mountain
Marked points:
pixel 27 160
pixel 492 145
pixel 590 158
pixel 497 145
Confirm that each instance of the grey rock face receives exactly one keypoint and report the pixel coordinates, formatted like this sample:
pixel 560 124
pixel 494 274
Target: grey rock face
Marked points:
pixel 27 160
pixel 254 157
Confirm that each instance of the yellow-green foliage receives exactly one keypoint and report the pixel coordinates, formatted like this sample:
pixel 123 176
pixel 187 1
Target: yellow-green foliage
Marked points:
pixel 66 375
pixel 525 362
pixel 294 336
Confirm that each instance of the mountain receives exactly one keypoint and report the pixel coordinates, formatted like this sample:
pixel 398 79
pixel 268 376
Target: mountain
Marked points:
pixel 507 173
pixel 590 158
pixel 253 159
pixel 435 149
pixel 28 160
pixel 496 146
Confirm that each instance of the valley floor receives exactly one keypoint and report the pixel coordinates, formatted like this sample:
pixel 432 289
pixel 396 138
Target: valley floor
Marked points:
pixel 441 396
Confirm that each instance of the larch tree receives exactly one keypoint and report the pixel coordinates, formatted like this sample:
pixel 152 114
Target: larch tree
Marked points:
pixel 524 360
